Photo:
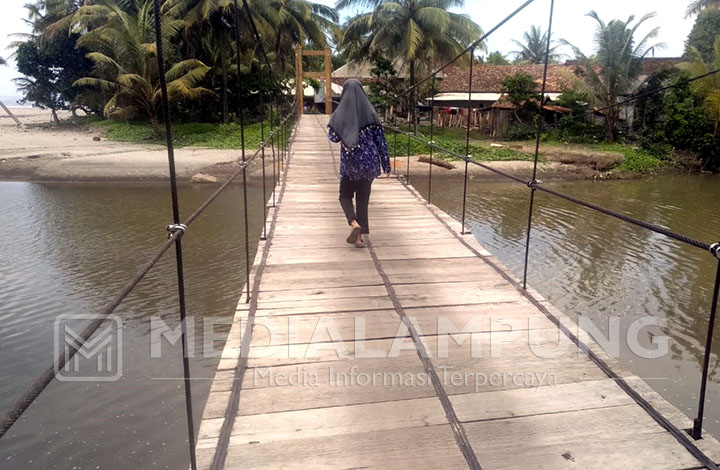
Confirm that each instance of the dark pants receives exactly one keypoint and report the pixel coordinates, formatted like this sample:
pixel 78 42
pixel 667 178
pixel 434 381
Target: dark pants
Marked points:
pixel 361 191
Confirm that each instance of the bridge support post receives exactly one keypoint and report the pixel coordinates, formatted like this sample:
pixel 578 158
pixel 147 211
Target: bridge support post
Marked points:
pixel 299 89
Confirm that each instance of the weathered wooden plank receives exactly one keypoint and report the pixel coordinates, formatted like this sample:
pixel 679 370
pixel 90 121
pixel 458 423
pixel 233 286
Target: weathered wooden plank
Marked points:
pixel 607 438
pixel 430 448
pixel 325 323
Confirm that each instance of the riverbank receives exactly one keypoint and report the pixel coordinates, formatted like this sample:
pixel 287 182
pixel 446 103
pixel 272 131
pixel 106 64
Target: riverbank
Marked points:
pixel 102 151
pixel 42 152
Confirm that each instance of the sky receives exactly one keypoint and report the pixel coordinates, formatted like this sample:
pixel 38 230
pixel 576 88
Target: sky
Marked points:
pixel 570 23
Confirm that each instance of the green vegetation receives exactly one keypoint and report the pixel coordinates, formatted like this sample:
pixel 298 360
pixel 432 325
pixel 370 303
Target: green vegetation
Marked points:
pixel 614 69
pixel 216 136
pixel 454 140
pixel 422 33
pixel 534 48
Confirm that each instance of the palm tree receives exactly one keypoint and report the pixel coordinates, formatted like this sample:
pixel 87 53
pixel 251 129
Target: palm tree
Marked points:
pixel 124 54
pixel 615 69
pixel 48 18
pixel 532 51
pixel 698 6
pixel 419 32
pixel 295 22
pixel 708 87
pixel 209 29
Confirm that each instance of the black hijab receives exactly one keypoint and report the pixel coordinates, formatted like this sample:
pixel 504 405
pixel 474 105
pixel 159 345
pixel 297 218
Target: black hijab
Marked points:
pixel 354 114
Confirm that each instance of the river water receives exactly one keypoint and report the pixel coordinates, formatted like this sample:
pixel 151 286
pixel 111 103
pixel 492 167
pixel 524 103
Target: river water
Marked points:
pixel 590 264
pixel 68 248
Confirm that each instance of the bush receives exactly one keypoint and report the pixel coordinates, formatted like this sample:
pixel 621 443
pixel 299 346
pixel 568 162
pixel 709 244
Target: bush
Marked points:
pixel 576 131
pixel 520 131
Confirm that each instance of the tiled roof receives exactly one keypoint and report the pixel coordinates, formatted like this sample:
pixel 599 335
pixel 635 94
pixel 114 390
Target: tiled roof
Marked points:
pixel 650 65
pixel 489 78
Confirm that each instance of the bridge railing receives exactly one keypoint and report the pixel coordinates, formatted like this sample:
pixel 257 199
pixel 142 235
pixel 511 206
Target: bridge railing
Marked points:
pixel 275 139
pixel 407 98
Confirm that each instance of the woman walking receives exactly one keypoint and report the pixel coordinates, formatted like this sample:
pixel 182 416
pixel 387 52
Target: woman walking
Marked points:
pixel 363 156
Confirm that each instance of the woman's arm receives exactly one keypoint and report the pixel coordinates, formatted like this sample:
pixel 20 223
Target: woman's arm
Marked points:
pixel 383 151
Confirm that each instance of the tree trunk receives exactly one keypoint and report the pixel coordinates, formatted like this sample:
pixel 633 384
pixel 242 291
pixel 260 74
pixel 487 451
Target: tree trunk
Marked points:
pixel 225 103
pixel 610 125
pixel 5 108
pixel 55 116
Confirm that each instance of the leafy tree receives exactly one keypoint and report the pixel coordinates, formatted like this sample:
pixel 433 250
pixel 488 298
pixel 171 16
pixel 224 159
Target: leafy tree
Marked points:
pixel 50 68
pixel 702 36
pixel 615 68
pixel 497 58
pixel 522 91
pixel 676 118
pixel 385 84
pixel 574 98
pixel 422 33
pixel 534 47
pixel 709 87
pixel 124 57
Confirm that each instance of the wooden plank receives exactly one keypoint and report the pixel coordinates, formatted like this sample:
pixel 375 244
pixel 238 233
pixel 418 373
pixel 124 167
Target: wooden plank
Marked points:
pixel 325 323
pixel 608 438
pixel 429 447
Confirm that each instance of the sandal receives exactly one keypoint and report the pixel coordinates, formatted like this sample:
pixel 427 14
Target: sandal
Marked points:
pixel 359 242
pixel 355 233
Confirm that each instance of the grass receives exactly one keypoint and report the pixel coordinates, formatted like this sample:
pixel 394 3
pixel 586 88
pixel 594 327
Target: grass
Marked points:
pixel 215 136
pixel 453 141
pixel 637 160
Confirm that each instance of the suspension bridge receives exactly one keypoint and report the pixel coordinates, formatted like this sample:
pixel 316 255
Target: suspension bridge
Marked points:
pixel 420 351
pixel 359 329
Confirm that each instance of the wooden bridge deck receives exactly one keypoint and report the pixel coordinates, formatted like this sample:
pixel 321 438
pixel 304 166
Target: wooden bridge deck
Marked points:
pixel 312 395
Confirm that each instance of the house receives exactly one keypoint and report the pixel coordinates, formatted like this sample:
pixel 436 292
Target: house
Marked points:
pixel 492 113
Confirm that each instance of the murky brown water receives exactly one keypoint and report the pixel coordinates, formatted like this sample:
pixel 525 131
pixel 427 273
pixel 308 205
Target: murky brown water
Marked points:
pixel 68 248
pixel 590 264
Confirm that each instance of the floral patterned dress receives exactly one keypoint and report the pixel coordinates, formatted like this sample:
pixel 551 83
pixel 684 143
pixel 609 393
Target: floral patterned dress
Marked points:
pixel 365 161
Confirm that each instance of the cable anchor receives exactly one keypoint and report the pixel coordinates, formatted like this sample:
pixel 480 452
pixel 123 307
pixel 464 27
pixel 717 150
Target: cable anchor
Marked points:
pixel 174 228
pixel 533 183
pixel 715 250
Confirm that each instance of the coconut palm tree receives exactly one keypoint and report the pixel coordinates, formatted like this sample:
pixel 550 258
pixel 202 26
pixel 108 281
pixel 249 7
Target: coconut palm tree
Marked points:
pixel 209 30
pixel 708 87
pixel 124 54
pixel 532 51
pixel 419 32
pixel 617 64
pixel 289 23
pixel 698 6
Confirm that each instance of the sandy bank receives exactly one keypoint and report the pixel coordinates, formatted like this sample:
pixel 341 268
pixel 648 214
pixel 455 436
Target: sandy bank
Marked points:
pixel 41 152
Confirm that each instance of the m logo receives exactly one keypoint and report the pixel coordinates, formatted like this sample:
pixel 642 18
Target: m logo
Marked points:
pixel 99 359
